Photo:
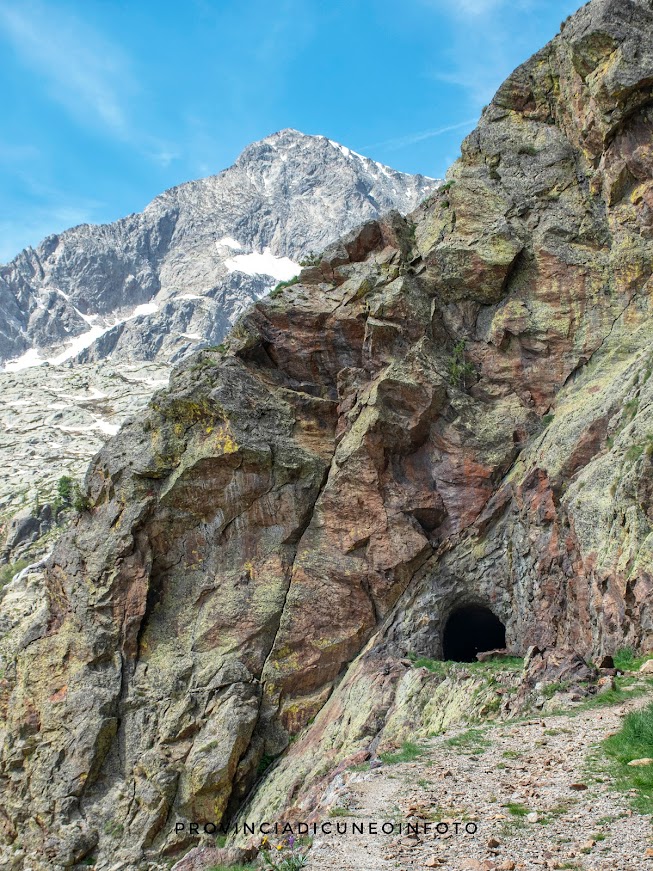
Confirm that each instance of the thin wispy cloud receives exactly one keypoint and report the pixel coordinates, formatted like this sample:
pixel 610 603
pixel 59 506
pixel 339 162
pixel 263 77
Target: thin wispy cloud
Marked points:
pixel 413 138
pixel 90 76
pixel 482 45
pixel 475 8
pixel 82 71
pixel 164 157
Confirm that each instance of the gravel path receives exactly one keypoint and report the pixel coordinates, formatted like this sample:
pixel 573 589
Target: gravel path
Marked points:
pixel 536 792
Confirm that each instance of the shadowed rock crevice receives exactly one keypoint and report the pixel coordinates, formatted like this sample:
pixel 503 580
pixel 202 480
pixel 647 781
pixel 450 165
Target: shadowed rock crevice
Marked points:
pixel 469 630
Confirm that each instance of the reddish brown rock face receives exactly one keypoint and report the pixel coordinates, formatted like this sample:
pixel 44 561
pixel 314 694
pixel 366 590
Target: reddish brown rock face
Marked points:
pixel 335 482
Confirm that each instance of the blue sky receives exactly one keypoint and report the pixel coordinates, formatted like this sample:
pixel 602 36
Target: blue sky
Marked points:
pixel 106 103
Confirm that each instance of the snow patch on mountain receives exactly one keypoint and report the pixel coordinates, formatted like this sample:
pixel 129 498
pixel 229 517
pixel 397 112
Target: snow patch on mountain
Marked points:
pixel 281 268
pixel 78 343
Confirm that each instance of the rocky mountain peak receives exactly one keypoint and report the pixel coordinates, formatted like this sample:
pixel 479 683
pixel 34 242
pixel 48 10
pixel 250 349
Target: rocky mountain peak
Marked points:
pixel 286 196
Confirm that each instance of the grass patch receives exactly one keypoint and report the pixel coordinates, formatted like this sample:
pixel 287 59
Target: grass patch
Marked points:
pixel 516 809
pixel 612 697
pixel 231 868
pixel 408 752
pixel 550 689
pixel 113 828
pixel 437 666
pixel 630 408
pixel 440 666
pixel 7 572
pixel 471 742
pixel 512 754
pixel 633 453
pixel 509 828
pixel 339 812
pixel 626 659
pixel 558 810
pixel 608 698
pixel 507 663
pixel 634 741
pixel 282 286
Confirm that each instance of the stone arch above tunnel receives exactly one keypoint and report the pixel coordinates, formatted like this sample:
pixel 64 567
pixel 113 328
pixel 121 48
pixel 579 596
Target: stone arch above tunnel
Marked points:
pixel 471 629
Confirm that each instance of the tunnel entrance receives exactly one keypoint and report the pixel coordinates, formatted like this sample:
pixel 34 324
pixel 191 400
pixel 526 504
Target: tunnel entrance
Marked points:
pixel 470 630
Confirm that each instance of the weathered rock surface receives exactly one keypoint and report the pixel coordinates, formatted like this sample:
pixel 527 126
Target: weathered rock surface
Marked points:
pixel 146 291
pixel 300 511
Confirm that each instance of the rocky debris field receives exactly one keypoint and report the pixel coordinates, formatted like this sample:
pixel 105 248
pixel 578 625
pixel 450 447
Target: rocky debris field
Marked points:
pixel 539 790
pixel 54 418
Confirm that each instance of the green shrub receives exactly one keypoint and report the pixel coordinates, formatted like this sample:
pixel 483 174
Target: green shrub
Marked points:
pixel 231 868
pixel 460 370
pixel 550 689
pixel 81 501
pixel 547 418
pixel 65 486
pixel 264 764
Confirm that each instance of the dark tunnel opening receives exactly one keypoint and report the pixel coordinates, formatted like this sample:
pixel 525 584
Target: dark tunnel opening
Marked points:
pixel 471 630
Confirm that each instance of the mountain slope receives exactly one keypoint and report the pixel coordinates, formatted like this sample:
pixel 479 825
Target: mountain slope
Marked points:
pixel 178 273
pixel 450 411
pixel 146 290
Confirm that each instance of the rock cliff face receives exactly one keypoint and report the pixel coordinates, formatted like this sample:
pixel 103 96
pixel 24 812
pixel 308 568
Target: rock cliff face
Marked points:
pixel 147 290
pixel 450 409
